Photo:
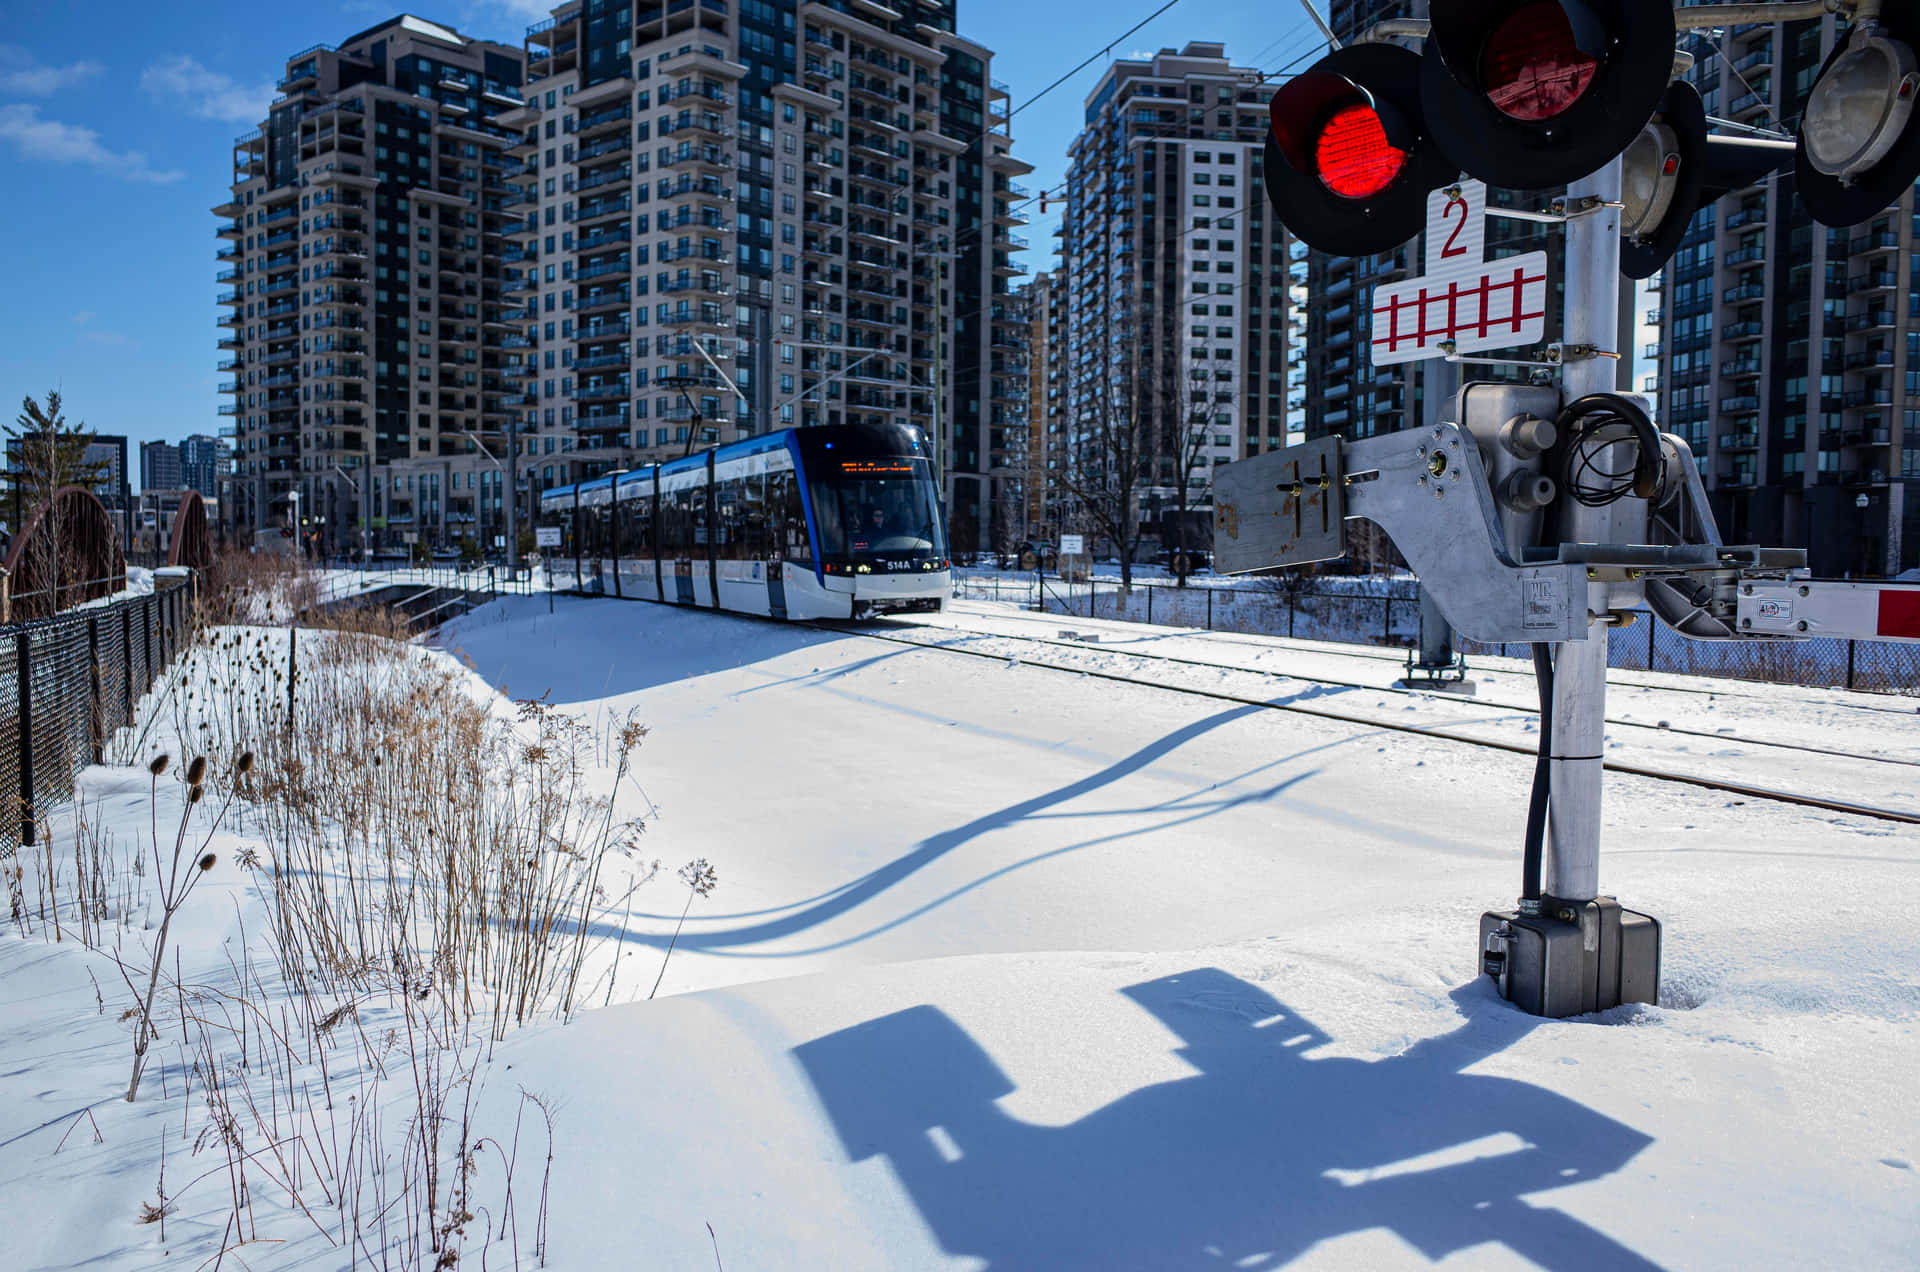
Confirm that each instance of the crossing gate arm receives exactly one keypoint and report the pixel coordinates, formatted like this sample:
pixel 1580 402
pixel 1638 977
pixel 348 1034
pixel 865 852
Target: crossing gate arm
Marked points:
pixel 1822 607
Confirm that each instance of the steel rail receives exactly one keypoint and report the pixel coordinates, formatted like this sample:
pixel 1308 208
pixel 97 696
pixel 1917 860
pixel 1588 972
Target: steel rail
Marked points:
pixel 1417 693
pixel 1426 731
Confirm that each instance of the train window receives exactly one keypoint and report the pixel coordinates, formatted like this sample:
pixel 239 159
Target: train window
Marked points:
pixel 729 518
pixel 755 543
pixel 700 514
pixel 783 497
pixel 673 523
pixel 877 508
pixel 636 523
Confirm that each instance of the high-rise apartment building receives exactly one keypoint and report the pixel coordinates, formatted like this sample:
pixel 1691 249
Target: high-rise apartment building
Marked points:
pixel 1789 353
pixel 1176 272
pixel 161 467
pixel 202 460
pixel 749 215
pixel 374 372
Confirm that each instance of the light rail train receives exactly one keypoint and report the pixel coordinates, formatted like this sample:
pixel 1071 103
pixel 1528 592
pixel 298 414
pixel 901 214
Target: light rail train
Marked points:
pixel 836 521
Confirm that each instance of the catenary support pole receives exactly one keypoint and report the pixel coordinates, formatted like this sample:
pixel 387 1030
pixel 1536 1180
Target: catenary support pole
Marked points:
pixel 1592 299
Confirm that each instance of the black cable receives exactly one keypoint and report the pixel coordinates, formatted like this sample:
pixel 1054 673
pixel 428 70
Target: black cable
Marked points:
pixel 1531 863
pixel 1580 422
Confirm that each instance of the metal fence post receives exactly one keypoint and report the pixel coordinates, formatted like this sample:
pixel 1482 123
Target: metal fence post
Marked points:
pixel 1209 609
pixel 146 642
pixel 1652 626
pixel 1293 602
pixel 1149 605
pixel 96 709
pixel 126 656
pixel 1386 633
pixel 23 666
pixel 1850 646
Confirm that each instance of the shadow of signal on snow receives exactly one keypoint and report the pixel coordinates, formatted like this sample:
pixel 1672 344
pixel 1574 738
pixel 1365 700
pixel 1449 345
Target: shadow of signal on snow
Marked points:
pixel 1249 1162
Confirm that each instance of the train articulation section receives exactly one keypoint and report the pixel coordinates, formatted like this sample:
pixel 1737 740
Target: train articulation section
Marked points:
pixel 831 522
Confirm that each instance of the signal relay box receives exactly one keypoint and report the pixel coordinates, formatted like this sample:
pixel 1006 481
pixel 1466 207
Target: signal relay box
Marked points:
pixel 1573 957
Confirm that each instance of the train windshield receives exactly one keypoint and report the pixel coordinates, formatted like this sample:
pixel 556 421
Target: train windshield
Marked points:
pixel 878 510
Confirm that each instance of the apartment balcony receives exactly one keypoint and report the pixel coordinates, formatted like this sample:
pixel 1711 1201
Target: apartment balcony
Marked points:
pixel 690 186
pixel 1740 367
pixel 605 206
pixel 1744 255
pixel 1737 481
pixel 1864 477
pixel 604 329
pixel 621 267
pixel 592 420
pixel 618 175
pixel 1878 280
pixel 1741 330
pixel 698 316
pixel 1886 240
pixel 1750 104
pixel 1869 358
pixel 1859 398
pixel 606 391
pixel 1743 402
pixel 1743 292
pixel 689 155
pixel 605 236
pixel 596 122
pixel 705 124
pixel 609 145
pixel 1740 441
pixel 1872 319
pixel 602 361
pixel 1759 59
pixel 707 284
pixel 231 229
pixel 1746 216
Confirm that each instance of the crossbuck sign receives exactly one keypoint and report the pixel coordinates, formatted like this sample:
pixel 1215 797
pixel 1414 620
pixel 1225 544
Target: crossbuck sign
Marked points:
pixel 1463 297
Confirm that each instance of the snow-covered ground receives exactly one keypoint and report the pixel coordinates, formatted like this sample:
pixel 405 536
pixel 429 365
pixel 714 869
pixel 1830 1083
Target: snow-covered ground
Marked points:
pixel 1012 968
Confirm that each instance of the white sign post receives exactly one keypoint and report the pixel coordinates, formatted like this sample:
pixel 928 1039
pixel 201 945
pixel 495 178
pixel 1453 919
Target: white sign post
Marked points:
pixel 1463 298
pixel 1072 544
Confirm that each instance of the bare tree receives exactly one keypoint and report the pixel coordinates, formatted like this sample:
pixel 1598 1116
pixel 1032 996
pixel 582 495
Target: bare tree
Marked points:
pixel 1132 434
pixel 1187 417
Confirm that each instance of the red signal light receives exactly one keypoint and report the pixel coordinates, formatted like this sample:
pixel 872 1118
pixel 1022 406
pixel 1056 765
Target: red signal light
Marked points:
pixel 1530 68
pixel 1353 156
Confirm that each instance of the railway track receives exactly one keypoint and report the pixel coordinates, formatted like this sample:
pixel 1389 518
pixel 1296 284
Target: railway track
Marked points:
pixel 1747 790
pixel 1368 654
pixel 1175 659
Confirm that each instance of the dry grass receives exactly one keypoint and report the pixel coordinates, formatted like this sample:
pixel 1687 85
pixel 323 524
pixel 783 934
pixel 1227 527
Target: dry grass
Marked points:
pixel 431 867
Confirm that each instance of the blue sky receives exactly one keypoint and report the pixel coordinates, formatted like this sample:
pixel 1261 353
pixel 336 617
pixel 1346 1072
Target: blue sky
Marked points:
pixel 116 125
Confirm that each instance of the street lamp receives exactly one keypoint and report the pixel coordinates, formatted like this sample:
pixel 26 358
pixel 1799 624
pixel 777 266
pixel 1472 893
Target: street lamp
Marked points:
pixel 366 548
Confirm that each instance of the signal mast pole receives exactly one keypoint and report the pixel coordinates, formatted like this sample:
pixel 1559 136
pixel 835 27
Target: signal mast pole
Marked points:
pixel 1592 297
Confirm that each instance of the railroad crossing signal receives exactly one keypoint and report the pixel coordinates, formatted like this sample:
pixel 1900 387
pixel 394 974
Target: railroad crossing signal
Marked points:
pixel 1533 94
pixel 1464 302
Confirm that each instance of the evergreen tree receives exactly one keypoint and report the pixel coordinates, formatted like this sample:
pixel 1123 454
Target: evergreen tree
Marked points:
pixel 45 453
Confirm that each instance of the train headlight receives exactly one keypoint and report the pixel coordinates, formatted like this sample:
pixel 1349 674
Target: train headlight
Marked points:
pixel 864 569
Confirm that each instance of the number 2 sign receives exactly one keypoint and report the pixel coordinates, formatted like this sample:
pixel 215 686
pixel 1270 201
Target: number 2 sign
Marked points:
pixel 1463 297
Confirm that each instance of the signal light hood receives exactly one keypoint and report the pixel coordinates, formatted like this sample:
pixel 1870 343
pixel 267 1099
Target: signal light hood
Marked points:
pixel 1631 42
pixel 1837 200
pixel 1382 78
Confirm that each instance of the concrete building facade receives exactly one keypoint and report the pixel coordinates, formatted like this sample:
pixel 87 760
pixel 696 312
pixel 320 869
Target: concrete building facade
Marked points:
pixel 1176 279
pixel 749 215
pixel 374 385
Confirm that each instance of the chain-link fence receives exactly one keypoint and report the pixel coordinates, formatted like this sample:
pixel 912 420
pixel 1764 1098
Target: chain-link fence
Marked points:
pixel 1381 610
pixel 67 683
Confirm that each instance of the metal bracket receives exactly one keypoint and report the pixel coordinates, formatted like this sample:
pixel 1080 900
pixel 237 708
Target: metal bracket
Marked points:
pixel 1427 489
